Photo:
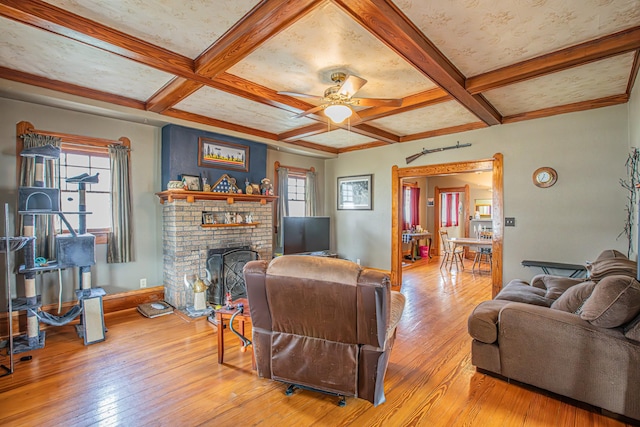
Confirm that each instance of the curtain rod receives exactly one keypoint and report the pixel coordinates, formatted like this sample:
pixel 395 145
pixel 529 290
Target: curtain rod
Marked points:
pixel 82 140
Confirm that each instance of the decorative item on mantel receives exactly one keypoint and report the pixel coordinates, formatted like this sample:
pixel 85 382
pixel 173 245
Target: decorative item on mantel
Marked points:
pixel 225 184
pixel 205 182
pixel 175 185
pixel 265 187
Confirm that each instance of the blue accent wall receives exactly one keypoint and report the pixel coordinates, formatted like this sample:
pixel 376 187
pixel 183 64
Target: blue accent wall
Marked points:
pixel 180 156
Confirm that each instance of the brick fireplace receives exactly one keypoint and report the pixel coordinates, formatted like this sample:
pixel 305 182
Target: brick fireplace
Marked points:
pixel 186 241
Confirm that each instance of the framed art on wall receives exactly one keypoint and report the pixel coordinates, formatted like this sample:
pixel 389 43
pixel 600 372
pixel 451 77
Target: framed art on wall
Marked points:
pixel 222 155
pixel 355 192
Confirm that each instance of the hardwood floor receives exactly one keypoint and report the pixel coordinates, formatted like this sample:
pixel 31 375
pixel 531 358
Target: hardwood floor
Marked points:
pixel 164 371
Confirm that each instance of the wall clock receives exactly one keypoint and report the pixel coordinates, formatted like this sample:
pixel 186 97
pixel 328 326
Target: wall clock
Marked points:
pixel 545 177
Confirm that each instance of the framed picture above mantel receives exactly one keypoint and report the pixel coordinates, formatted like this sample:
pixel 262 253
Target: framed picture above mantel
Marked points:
pixel 222 155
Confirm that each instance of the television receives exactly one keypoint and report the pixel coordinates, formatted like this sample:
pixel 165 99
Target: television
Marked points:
pixel 303 234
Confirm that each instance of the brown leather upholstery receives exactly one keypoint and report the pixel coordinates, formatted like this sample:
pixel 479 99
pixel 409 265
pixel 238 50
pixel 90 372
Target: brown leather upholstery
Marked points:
pixel 323 323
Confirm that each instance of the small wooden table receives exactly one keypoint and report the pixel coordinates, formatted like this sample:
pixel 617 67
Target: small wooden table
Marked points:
pixel 223 314
pixel 414 239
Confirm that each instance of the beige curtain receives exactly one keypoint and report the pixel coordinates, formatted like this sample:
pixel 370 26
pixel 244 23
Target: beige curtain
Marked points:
pixel 283 203
pixel 44 224
pixel 311 195
pixel 119 241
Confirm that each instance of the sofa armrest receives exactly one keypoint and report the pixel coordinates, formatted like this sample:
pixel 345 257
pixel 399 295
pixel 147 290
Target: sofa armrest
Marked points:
pixel 483 321
pixel 254 276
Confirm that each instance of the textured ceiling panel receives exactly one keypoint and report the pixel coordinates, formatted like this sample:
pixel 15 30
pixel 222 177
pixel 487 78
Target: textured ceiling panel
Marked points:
pixel 443 115
pixel 184 27
pixel 482 35
pixel 298 53
pixel 303 56
pixel 340 138
pixel 592 81
pixel 223 106
pixel 58 58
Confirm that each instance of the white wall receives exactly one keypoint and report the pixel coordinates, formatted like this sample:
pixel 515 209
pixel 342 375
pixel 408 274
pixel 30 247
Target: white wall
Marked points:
pixel 145 176
pixel 569 222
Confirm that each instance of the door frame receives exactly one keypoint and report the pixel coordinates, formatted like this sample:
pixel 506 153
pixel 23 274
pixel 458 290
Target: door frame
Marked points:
pixel 494 165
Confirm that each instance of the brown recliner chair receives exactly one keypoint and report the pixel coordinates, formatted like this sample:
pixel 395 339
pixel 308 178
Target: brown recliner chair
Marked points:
pixel 322 323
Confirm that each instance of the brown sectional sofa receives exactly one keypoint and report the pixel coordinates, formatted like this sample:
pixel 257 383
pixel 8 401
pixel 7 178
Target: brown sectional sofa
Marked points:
pixel 579 338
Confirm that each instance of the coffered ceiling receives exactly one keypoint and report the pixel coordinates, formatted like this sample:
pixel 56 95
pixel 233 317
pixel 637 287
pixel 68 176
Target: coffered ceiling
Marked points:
pixel 457 65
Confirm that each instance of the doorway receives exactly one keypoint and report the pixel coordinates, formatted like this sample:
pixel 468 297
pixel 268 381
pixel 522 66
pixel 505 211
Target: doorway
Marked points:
pixel 461 221
pixel 494 165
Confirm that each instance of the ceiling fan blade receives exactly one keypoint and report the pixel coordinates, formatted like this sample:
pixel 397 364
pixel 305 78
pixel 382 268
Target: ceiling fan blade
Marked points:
pixel 299 95
pixel 378 102
pixel 351 85
pixel 311 111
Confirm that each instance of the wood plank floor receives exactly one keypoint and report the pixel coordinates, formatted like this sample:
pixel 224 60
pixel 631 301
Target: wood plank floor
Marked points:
pixel 164 372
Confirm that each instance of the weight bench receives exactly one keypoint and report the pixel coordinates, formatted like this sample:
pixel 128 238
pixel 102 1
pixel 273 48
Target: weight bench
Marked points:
pixel 546 265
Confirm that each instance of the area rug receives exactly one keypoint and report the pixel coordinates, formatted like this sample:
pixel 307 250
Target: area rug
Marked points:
pixel 155 309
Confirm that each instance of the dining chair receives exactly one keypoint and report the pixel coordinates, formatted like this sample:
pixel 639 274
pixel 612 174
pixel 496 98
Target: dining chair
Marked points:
pixel 452 253
pixel 483 254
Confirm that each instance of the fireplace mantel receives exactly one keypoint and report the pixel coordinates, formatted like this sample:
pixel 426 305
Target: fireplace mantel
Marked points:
pixel 192 196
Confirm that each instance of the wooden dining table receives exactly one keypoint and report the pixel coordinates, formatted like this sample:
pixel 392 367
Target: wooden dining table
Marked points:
pixel 471 241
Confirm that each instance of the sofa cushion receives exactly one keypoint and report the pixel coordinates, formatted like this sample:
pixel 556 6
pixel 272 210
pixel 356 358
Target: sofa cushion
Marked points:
pixel 521 291
pixel 557 285
pixel 632 330
pixel 614 265
pixel 483 321
pixel 610 254
pixel 615 300
pixel 573 298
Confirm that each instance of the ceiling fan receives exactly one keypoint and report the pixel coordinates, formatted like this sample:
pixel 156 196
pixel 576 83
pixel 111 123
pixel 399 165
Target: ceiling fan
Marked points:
pixel 338 99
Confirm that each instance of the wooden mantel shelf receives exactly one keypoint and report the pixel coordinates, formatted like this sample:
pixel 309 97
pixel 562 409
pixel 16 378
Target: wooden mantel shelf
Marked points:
pixel 192 196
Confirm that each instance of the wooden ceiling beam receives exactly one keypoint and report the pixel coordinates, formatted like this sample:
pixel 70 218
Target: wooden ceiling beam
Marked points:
pixel 409 103
pixel 372 132
pixel 313 146
pixel 444 131
pixel 384 20
pixel 255 92
pixel 568 108
pixel 197 118
pixel 594 50
pixel 31 79
pixel 303 132
pixel 362 146
pixel 264 21
pixel 172 93
pixel 634 72
pixel 47 17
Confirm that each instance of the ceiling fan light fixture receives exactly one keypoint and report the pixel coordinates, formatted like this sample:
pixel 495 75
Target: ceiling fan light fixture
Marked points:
pixel 338 112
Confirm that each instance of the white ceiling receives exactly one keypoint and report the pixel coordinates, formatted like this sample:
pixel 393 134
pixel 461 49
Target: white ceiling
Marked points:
pixel 240 53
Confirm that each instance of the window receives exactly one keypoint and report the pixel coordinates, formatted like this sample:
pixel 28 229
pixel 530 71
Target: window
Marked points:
pixel 296 192
pixel 74 161
pixel 450 208
pixel 410 206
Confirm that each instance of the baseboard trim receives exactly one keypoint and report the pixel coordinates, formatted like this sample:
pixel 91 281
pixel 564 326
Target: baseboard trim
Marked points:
pixel 110 303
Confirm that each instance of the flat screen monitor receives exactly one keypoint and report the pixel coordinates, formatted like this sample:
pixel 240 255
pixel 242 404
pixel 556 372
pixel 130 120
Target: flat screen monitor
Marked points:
pixel 303 234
